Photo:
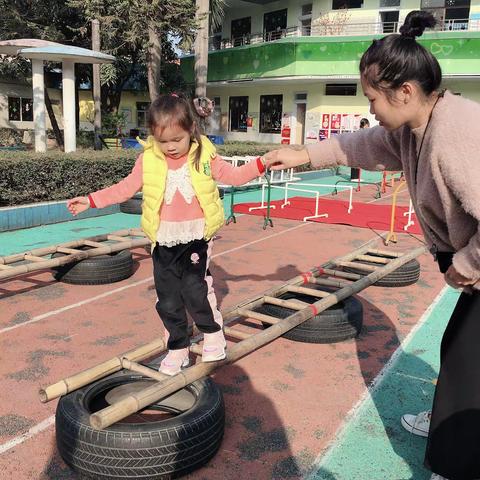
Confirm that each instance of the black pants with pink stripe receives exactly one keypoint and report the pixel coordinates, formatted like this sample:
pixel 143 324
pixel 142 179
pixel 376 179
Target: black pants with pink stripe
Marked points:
pixel 183 283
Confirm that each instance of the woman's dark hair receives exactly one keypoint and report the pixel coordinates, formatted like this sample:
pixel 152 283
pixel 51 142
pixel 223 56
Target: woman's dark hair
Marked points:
pixel 364 123
pixel 168 110
pixel 398 58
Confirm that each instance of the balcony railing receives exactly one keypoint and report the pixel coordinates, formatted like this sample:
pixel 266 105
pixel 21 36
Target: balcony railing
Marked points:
pixel 333 29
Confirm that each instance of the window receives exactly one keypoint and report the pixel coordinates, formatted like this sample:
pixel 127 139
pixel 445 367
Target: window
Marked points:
pixel 300 96
pixel 142 109
pixel 306 20
pixel 389 3
pixel 450 14
pixel 20 109
pixel 339 4
pixel 238 114
pixel 274 25
pixel 271 113
pixel 307 9
pixel 389 21
pixel 341 89
pixel 240 31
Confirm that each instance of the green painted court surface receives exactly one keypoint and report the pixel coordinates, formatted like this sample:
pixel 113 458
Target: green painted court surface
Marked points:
pixel 372 444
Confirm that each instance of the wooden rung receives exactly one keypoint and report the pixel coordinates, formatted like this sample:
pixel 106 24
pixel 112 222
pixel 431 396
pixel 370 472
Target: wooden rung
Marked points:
pixel 89 243
pixel 33 258
pixel 197 349
pixel 116 238
pixel 146 371
pixel 4 267
pixel 328 283
pixel 258 316
pixel 291 304
pixel 67 250
pixel 342 274
pixel 233 332
pixel 385 253
pixel 371 258
pixel 307 291
pixel 359 266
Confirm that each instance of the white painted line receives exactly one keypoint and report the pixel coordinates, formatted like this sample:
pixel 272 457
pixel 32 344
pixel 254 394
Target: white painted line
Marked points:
pixel 136 284
pixel 259 240
pixel 74 305
pixel 39 428
pixel 374 386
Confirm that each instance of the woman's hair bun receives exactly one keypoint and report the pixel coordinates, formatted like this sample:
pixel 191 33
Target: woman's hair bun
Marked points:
pixel 416 22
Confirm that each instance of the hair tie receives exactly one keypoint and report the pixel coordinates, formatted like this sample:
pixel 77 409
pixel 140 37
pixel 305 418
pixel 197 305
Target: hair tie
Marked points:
pixel 174 95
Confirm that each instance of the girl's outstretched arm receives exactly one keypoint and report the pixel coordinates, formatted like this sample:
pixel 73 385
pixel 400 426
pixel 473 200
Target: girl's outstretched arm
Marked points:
pixel 224 172
pixel 121 191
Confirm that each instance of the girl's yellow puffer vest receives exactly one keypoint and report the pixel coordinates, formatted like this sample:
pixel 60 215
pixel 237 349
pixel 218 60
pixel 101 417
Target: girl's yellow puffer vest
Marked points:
pixel 154 179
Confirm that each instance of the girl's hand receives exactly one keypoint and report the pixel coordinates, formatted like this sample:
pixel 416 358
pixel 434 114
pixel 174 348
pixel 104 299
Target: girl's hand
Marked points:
pixel 456 280
pixel 78 205
pixel 286 158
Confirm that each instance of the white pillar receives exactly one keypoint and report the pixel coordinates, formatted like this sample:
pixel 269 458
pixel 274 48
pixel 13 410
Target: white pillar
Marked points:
pixel 68 85
pixel 39 106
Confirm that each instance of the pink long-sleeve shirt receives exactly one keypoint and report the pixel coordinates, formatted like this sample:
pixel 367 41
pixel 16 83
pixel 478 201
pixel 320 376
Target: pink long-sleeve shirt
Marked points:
pixel 178 210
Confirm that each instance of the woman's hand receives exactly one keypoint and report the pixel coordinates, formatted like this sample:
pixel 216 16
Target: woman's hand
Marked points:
pixel 78 205
pixel 286 158
pixel 458 281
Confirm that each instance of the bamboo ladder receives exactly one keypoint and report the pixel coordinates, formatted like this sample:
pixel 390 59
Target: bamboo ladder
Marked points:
pixel 329 274
pixel 34 260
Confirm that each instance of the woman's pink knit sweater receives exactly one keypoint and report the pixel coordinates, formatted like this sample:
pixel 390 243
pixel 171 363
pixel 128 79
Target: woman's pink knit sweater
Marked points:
pixel 444 183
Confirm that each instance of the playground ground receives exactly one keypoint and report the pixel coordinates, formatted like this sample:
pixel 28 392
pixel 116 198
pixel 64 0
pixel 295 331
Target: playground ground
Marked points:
pixel 293 410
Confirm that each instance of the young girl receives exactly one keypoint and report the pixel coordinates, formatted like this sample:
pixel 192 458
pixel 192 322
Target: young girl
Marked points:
pixel 181 212
pixel 419 134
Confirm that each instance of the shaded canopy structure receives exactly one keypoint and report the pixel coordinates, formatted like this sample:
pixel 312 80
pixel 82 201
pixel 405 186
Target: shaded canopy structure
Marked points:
pixel 39 51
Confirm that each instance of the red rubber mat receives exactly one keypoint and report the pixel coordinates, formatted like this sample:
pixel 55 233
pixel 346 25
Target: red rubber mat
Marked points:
pixel 363 215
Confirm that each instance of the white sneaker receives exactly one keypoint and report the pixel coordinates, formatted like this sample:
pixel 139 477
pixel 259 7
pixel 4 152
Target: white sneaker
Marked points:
pixel 214 345
pixel 437 477
pixel 417 424
pixel 175 361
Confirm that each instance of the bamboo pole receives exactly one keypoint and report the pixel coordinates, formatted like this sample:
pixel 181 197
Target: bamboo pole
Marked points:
pixel 258 316
pixel 32 258
pixel 59 261
pixel 386 253
pixel 235 333
pixel 146 371
pixel 359 266
pixel 41 252
pixel 307 291
pixel 113 365
pixel 256 301
pixel 106 368
pixel 341 274
pixel 293 304
pixel 328 283
pixel 134 403
pixel 196 349
pixel 371 258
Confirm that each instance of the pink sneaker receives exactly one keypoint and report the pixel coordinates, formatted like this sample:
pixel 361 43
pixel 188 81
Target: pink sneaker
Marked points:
pixel 214 345
pixel 175 361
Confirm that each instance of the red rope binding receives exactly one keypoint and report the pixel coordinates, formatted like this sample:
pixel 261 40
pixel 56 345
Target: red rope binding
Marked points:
pixel 306 276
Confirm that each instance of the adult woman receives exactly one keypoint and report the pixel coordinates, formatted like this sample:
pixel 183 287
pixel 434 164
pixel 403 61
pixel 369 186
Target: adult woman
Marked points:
pixel 355 172
pixel 419 134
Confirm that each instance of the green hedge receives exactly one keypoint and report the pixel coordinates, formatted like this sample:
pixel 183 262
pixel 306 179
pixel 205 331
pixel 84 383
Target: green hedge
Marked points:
pixel 28 177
